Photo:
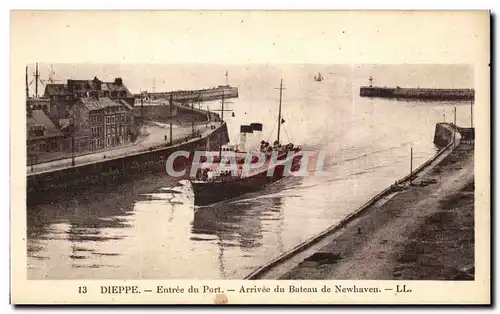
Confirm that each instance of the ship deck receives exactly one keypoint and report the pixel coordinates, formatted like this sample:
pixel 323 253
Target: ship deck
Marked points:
pixel 241 171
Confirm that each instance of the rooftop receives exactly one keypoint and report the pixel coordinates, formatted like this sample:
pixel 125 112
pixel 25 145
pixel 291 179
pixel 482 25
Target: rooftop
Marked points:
pixel 86 85
pixel 98 103
pixel 38 119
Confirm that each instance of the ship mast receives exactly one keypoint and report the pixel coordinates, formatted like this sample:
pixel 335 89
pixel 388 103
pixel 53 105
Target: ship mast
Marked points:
pixel 171 103
pixel 51 74
pixel 37 75
pixel 27 88
pixel 192 118
pixel 220 133
pixel 279 110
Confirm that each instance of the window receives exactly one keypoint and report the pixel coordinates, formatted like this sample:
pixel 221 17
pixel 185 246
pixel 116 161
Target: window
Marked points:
pixel 107 120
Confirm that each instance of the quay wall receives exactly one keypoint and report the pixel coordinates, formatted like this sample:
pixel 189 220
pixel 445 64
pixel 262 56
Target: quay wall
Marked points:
pixel 417 93
pixel 445 136
pixel 120 168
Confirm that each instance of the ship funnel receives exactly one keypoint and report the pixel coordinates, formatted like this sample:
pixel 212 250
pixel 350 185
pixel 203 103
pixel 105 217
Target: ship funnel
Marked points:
pixel 245 136
pixel 257 135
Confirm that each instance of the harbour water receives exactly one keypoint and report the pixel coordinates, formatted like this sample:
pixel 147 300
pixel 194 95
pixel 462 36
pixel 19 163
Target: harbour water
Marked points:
pixel 148 228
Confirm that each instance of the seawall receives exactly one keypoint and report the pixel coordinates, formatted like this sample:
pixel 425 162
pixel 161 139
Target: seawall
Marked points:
pixel 281 264
pixel 417 93
pixel 121 168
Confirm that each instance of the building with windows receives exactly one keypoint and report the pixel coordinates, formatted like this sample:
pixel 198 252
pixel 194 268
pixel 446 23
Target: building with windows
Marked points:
pixel 79 117
pixel 106 122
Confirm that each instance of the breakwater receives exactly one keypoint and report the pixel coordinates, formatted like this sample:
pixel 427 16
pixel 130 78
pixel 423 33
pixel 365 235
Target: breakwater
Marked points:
pixel 417 93
pixel 285 262
pixel 197 95
pixel 120 168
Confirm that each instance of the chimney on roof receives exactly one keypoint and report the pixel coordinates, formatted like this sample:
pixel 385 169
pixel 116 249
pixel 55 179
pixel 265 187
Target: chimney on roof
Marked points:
pixel 97 83
pixel 118 81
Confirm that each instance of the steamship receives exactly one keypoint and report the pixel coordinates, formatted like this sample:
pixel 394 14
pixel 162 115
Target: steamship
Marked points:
pixel 215 183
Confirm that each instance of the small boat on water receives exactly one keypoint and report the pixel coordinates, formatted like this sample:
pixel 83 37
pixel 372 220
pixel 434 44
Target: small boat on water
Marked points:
pixel 235 170
pixel 318 77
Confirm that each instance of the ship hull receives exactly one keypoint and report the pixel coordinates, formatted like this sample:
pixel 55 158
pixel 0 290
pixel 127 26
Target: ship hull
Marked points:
pixel 206 193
